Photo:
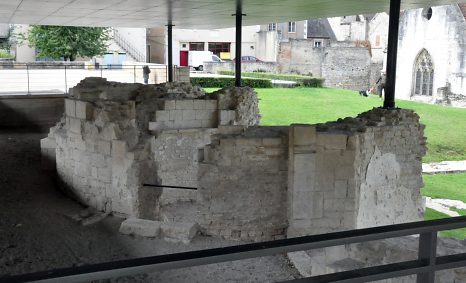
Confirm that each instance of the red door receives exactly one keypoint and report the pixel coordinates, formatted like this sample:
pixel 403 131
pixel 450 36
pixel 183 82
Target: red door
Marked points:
pixel 183 58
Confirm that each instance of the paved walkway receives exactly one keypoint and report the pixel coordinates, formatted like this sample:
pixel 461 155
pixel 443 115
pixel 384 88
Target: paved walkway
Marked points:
pixel 444 167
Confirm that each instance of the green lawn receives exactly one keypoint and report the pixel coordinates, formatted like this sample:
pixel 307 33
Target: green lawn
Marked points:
pixel 445 126
pixel 457 233
pixel 446 186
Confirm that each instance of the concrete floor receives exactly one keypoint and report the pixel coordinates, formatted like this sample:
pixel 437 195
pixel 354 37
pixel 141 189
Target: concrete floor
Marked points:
pixel 37 232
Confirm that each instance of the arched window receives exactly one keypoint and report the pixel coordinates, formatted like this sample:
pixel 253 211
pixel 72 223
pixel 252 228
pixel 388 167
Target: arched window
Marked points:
pixel 423 74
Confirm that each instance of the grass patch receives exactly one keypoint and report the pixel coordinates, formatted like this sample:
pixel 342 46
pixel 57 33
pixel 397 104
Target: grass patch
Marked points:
pixel 446 186
pixel 445 126
pixel 459 234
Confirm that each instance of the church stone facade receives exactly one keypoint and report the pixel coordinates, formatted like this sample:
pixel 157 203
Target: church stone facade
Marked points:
pixel 432 55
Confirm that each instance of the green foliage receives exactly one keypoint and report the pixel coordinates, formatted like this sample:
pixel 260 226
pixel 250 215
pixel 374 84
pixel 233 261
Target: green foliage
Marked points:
pixel 224 82
pixel 67 42
pixel 305 81
pixel 4 54
pixel 459 234
pixel 446 186
pixel 445 126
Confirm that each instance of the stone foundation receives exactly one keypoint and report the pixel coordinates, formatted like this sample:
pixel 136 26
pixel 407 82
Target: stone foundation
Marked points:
pixel 254 183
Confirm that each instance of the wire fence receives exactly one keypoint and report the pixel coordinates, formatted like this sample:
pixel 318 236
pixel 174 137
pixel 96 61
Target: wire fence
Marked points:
pixel 24 79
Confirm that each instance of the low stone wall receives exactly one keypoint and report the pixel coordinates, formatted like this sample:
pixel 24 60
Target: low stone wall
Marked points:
pixel 356 173
pixel 254 183
pixel 215 67
pixel 242 185
pixel 115 137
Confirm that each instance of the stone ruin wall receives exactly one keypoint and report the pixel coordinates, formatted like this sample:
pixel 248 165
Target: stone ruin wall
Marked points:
pixel 243 184
pixel 115 137
pixel 255 183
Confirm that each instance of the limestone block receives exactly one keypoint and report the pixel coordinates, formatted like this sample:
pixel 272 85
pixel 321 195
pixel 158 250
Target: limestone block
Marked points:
pixel 271 141
pixel 304 167
pixel 303 134
pixel 104 147
pixel 226 117
pixel 211 104
pixel 211 123
pixel 185 104
pixel 205 114
pixel 344 172
pixel 162 116
pixel 341 188
pixel 169 105
pixel 70 108
pixel 332 141
pixel 119 149
pixel 199 104
pixel 308 205
pixel 176 115
pixel 84 110
pixel 74 125
pixel 179 231
pixel 140 227
pixel 104 174
pixel 189 115
pixel 48 143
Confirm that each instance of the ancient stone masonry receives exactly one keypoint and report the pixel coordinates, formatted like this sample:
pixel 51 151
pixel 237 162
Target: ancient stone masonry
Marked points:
pixel 115 137
pixel 242 184
pixel 254 183
pixel 355 173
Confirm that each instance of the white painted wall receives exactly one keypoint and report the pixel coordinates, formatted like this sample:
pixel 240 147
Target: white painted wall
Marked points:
pixel 135 36
pixel 378 26
pixel 24 53
pixel 444 37
pixel 215 35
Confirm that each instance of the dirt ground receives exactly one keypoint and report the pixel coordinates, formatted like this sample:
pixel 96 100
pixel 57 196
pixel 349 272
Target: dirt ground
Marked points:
pixel 37 232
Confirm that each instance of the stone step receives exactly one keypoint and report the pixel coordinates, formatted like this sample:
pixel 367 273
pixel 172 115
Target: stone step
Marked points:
pixel 170 231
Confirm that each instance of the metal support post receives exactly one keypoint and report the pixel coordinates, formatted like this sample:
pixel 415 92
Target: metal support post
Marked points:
pixel 66 82
pixel 239 25
pixel 27 72
pixel 170 52
pixel 392 49
pixel 427 255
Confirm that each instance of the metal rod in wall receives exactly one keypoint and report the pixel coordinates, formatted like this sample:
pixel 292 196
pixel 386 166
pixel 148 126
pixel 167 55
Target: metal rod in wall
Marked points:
pixel 392 49
pixel 170 51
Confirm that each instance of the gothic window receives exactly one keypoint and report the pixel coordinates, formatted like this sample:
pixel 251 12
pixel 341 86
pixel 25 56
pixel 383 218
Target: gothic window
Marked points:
pixel 423 74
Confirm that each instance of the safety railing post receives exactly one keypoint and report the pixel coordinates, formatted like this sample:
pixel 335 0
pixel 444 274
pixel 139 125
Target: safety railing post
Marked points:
pixel 427 255
pixel 101 67
pixel 27 72
pixel 134 73
pixel 66 82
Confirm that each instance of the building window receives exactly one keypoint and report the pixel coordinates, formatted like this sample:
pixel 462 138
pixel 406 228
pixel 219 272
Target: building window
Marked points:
pixel 427 13
pixel 423 74
pixel 317 43
pixel 217 47
pixel 291 27
pixel 272 27
pixel 196 46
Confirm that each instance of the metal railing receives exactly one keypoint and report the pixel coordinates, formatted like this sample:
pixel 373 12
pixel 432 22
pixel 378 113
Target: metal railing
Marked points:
pixel 128 47
pixel 424 267
pixel 17 78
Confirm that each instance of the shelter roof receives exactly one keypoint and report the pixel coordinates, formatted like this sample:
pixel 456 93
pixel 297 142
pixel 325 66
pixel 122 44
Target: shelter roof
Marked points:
pixel 187 13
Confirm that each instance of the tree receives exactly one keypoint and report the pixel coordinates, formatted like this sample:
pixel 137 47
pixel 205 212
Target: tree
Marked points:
pixel 68 42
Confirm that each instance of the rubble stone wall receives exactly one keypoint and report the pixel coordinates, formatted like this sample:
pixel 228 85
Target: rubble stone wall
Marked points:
pixel 243 184
pixel 115 137
pixel 254 183
pixel 356 173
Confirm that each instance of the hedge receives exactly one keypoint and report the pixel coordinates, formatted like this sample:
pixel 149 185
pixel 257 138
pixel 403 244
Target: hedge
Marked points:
pixel 224 82
pixel 300 80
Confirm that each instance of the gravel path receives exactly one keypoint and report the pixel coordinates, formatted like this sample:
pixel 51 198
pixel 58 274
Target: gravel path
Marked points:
pixel 37 232
pixel 444 167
